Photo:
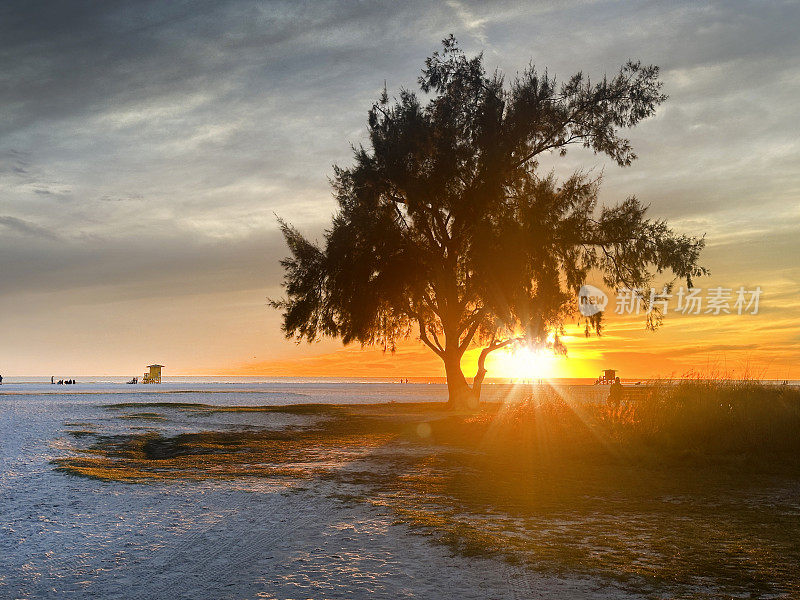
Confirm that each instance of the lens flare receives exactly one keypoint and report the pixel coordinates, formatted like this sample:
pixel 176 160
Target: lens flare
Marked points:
pixel 526 363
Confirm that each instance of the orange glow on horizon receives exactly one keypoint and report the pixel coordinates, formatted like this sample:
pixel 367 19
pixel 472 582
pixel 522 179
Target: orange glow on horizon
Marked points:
pixel 673 351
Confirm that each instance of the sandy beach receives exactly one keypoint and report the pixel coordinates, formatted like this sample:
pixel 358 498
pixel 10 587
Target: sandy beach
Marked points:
pixel 109 493
pixel 283 537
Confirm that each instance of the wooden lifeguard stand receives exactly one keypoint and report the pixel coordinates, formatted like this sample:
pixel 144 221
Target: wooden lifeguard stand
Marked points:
pixel 154 375
pixel 607 377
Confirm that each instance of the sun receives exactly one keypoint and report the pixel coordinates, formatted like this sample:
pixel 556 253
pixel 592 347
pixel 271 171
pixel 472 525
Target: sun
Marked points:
pixel 526 363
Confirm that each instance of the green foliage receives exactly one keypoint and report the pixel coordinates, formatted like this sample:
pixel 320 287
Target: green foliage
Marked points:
pixel 447 228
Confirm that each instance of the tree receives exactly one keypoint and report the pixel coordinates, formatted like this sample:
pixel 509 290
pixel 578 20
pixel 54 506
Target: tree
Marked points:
pixel 446 228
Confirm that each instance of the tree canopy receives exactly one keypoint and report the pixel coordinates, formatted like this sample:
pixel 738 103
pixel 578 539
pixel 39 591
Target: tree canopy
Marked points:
pixel 447 229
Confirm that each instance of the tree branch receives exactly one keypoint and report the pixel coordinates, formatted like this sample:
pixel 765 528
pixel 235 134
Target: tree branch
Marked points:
pixel 473 327
pixel 423 335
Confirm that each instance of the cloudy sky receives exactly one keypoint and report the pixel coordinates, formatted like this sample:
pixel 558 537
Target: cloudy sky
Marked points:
pixel 145 149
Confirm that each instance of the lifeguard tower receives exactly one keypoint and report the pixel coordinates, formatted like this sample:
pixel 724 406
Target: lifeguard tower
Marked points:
pixel 607 377
pixel 154 375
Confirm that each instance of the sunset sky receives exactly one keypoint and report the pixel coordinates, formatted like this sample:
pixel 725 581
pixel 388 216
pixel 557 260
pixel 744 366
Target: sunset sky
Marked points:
pixel 146 149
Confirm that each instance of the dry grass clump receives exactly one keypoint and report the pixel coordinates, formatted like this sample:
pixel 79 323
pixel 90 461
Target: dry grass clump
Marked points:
pixel 720 418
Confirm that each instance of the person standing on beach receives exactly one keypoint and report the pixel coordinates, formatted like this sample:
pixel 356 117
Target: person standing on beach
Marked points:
pixel 615 393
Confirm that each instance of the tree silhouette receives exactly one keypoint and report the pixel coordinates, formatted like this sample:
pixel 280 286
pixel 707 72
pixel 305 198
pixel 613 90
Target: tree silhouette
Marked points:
pixel 447 230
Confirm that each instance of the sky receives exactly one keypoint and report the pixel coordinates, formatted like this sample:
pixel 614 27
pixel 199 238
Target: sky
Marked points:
pixel 147 148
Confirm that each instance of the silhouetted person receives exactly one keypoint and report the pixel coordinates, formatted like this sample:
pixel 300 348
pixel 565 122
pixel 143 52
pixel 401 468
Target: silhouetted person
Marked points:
pixel 1 380
pixel 616 393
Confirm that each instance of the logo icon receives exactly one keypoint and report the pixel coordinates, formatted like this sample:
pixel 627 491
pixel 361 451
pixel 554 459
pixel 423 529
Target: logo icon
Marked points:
pixel 591 300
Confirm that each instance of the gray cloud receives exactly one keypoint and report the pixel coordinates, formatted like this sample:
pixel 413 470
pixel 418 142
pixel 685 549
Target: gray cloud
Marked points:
pixel 26 228
pixel 157 266
pixel 145 147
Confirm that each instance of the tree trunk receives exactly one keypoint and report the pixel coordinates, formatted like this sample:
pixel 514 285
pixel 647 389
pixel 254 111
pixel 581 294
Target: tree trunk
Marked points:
pixel 460 396
pixel 477 382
